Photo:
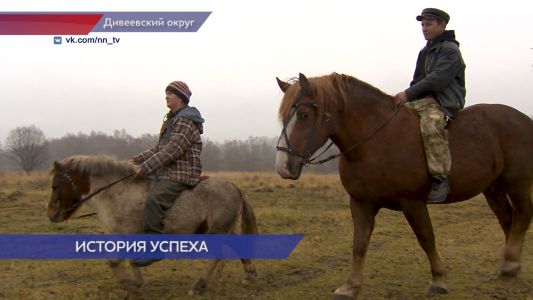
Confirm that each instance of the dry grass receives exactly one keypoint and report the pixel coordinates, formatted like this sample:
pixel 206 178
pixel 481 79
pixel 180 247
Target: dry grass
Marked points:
pixel 21 177
pixel 468 238
pixel 271 180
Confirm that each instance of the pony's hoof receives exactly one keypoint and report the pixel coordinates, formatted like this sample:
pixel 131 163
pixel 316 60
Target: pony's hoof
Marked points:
pixel 342 297
pixel 436 290
pixel 194 292
pixel 198 287
pixel 130 285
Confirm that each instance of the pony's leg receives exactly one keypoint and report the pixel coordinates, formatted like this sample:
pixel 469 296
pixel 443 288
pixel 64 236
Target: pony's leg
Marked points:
pixel 117 265
pixel 522 213
pixel 137 276
pixel 363 216
pixel 201 283
pixel 416 213
pixel 499 204
pixel 249 271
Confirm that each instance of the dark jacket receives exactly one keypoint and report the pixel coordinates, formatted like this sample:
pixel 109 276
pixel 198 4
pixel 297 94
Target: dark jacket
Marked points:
pixel 440 72
pixel 176 156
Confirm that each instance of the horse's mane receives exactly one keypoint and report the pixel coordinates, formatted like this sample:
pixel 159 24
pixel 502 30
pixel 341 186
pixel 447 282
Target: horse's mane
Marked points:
pixel 96 165
pixel 326 91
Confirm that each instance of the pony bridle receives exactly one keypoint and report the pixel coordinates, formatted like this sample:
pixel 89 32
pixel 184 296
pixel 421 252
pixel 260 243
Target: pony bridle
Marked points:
pixel 65 176
pixel 306 156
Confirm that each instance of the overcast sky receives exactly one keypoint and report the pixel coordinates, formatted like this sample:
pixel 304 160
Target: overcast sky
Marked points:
pixel 231 63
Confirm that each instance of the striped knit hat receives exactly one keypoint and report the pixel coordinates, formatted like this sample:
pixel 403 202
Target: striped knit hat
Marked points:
pixel 181 89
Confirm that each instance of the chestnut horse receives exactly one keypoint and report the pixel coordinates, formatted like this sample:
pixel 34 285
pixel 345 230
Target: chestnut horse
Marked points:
pixel 214 206
pixel 491 148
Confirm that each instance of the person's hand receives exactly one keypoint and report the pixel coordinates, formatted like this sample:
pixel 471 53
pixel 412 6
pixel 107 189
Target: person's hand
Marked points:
pixel 131 161
pixel 400 98
pixel 138 172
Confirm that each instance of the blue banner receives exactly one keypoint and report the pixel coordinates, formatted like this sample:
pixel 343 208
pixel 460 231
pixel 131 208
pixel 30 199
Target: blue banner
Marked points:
pixel 171 246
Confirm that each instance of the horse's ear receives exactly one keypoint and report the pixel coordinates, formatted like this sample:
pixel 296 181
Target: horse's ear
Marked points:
pixel 283 85
pixel 304 84
pixel 57 166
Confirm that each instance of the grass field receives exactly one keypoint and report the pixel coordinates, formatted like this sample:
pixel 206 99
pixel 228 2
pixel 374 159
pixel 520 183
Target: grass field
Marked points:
pixel 468 238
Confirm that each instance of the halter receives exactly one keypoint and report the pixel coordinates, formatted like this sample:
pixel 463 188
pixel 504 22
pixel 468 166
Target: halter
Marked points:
pixel 307 160
pixel 64 175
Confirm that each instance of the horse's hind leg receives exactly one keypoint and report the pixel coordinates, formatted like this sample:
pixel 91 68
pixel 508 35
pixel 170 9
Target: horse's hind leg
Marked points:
pixel 522 213
pixel 249 271
pixel 200 284
pixel 499 204
pixel 416 213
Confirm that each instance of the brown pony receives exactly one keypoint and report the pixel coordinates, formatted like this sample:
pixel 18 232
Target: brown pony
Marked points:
pixel 214 206
pixel 491 149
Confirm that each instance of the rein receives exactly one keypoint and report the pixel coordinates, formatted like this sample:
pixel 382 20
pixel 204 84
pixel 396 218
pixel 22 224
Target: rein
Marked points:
pixel 307 155
pixel 75 189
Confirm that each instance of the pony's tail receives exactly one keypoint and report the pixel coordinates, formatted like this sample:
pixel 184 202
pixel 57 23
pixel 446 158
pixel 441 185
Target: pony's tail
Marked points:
pixel 248 221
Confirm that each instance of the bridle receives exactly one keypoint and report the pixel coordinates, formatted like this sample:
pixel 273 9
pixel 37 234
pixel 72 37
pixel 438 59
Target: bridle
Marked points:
pixel 306 156
pixel 66 177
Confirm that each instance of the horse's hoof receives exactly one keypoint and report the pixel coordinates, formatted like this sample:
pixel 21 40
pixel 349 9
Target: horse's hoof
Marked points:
pixel 508 274
pixel 509 270
pixel 342 297
pixel 247 281
pixel 436 290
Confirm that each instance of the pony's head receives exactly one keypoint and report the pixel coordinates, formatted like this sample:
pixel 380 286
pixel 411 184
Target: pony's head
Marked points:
pixel 67 187
pixel 309 111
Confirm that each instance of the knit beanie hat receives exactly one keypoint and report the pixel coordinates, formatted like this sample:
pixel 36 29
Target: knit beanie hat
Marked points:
pixel 181 89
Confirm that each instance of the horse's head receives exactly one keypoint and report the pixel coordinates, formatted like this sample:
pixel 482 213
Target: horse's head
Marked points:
pixel 67 188
pixel 307 123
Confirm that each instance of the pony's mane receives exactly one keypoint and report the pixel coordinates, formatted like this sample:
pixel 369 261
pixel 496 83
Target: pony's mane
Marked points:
pixel 326 91
pixel 96 165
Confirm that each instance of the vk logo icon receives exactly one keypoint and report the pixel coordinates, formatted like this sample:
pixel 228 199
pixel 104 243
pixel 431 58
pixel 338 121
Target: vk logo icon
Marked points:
pixel 57 40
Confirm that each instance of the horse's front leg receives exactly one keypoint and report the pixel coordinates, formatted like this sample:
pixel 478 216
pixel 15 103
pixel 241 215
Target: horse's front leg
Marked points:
pixel 363 215
pixel 416 213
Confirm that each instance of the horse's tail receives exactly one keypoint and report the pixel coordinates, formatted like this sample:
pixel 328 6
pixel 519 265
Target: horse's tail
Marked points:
pixel 248 221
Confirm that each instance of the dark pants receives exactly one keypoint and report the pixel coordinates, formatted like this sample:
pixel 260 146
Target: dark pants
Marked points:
pixel 160 198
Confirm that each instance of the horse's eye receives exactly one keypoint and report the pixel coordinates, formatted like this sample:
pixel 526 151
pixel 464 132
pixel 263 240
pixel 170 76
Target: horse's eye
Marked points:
pixel 304 116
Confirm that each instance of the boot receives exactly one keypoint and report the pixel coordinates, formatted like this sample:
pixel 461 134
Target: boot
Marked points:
pixel 144 262
pixel 439 189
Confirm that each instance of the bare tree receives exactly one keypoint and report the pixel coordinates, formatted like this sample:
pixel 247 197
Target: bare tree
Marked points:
pixel 27 147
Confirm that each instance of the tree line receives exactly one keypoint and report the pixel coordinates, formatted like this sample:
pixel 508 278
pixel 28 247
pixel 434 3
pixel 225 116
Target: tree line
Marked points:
pixel 27 148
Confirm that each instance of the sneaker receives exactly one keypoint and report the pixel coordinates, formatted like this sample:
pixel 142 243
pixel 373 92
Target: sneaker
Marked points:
pixel 144 262
pixel 439 190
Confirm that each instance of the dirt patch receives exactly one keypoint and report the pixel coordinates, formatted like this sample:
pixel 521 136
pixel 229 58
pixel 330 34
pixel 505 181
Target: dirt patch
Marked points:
pixel 264 190
pixel 16 195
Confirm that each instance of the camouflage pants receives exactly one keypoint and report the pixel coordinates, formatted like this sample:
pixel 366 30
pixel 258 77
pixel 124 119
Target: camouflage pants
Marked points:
pixel 434 136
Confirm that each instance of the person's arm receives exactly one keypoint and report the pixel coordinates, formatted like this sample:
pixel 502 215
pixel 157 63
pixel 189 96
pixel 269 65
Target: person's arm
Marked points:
pixel 143 156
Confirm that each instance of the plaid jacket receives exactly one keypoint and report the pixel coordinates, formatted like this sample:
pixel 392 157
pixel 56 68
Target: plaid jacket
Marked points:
pixel 176 156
